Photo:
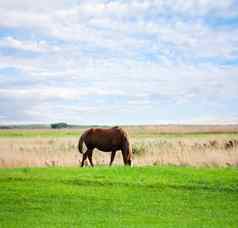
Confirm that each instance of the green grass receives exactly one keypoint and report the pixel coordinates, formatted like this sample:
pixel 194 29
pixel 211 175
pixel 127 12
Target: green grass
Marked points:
pixel 139 134
pixel 119 197
pixel 40 133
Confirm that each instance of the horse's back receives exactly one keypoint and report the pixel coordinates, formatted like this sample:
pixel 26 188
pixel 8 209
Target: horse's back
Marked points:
pixel 107 132
pixel 105 139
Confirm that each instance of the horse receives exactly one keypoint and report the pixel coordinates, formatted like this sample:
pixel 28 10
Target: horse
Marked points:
pixel 106 140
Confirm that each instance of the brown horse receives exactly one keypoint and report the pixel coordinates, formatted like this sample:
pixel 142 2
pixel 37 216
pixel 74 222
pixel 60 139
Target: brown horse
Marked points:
pixel 107 140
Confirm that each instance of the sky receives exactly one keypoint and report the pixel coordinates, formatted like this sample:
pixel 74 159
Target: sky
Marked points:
pixel 118 62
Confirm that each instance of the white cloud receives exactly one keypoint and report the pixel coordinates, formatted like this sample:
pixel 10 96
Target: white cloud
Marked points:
pixel 28 5
pixel 108 25
pixel 134 53
pixel 44 93
pixel 39 46
pixel 198 7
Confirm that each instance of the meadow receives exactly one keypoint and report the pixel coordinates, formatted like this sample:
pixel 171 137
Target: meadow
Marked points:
pixel 119 197
pixel 166 145
pixel 181 177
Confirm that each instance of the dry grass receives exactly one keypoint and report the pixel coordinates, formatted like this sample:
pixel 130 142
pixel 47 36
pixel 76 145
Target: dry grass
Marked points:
pixel 42 151
pixel 186 152
pixel 180 129
pixel 212 150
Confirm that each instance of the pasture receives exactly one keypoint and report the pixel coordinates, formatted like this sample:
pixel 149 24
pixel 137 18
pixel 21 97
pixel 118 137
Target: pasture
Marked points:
pixel 119 197
pixel 182 177
pixel 186 146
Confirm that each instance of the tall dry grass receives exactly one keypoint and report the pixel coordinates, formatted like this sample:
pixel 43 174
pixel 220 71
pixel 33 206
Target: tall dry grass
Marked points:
pixel 46 151
pixel 186 152
pixel 43 151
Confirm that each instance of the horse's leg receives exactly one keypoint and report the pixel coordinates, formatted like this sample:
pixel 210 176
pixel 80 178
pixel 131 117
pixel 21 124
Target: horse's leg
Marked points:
pixel 84 158
pixel 112 157
pixel 90 153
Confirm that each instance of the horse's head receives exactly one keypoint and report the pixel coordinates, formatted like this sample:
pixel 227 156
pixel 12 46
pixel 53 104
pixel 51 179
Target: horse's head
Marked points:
pixel 127 150
pixel 129 162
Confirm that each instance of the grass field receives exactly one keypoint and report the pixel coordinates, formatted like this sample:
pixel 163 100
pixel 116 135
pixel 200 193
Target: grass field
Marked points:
pixel 135 132
pixel 119 197
pixel 186 146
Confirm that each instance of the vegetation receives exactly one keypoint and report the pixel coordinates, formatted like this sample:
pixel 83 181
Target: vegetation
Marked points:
pixel 139 149
pixel 119 197
pixel 151 146
pixel 59 125
pixel 152 196
pixel 40 133
pixel 138 133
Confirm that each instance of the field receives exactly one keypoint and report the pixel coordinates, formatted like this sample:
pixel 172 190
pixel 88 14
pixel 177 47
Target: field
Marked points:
pixel 164 145
pixel 183 176
pixel 119 197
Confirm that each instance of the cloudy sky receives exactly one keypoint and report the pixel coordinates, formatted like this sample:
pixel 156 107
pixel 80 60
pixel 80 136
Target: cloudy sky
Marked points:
pixel 118 62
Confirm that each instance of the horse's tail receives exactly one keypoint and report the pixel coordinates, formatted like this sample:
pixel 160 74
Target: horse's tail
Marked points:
pixel 81 142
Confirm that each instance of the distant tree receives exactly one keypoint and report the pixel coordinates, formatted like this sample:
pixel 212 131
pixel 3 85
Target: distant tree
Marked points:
pixel 59 125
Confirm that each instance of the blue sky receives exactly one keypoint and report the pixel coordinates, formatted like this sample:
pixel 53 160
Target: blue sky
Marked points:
pixel 119 62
